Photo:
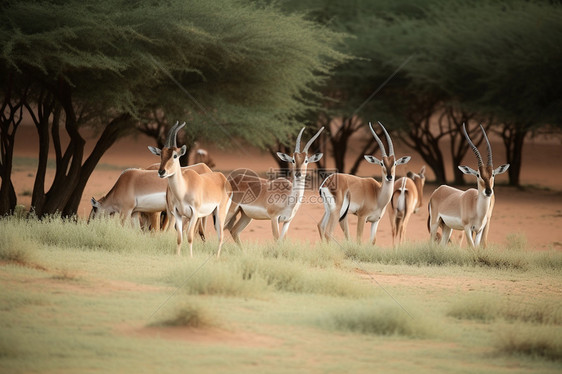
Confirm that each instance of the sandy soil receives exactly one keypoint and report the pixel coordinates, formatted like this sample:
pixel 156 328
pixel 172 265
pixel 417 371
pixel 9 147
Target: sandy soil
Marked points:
pixel 534 213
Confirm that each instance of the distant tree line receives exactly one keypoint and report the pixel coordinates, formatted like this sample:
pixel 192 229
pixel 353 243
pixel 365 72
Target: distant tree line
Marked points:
pixel 439 64
pixel 255 72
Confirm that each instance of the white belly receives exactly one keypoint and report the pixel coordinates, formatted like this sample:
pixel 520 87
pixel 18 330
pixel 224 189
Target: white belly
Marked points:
pixel 453 222
pixel 207 209
pixel 255 212
pixel 155 202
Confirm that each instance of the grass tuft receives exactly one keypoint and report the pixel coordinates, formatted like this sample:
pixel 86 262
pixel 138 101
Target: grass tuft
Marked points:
pixel 188 315
pixel 15 249
pixel 475 307
pixel 487 308
pixel 544 342
pixel 377 319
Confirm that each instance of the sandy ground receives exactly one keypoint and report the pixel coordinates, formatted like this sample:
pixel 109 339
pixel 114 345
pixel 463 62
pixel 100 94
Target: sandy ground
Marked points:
pixel 533 213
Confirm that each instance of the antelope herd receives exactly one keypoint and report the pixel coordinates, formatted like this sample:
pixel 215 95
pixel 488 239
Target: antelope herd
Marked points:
pixel 186 196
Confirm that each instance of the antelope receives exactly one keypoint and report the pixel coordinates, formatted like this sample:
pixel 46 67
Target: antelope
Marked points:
pixel 200 168
pixel 365 197
pixel 470 210
pixel 276 200
pixel 189 194
pixel 202 156
pixel 407 199
pixel 137 191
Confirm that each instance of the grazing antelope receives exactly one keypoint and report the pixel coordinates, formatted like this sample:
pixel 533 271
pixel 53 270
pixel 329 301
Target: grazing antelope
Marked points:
pixel 202 156
pixel 470 210
pixel 189 194
pixel 364 197
pixel 276 200
pixel 137 191
pixel 407 198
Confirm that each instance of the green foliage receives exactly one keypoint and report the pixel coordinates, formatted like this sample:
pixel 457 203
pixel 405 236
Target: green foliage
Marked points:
pixel 248 64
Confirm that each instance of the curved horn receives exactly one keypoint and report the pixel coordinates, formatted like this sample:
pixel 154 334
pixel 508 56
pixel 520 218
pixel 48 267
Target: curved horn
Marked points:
pixel 298 146
pixel 389 141
pixel 488 145
pixel 171 141
pixel 381 146
pixel 312 140
pixel 474 149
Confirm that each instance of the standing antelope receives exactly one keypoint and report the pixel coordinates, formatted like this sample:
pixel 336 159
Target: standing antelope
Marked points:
pixel 137 191
pixel 189 194
pixel 364 197
pixel 277 200
pixel 407 198
pixel 470 210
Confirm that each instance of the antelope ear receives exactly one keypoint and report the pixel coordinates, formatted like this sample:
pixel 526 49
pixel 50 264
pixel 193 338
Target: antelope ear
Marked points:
pixel 183 149
pixel 402 160
pixel 315 158
pixel 285 157
pixel 154 150
pixel 422 171
pixel 95 203
pixel 373 160
pixel 501 169
pixel 468 170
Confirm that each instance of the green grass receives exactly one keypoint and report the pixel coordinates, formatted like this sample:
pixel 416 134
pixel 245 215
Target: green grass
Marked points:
pixel 100 297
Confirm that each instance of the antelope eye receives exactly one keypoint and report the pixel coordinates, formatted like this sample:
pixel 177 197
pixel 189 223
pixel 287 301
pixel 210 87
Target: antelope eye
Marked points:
pixel 293 160
pixel 175 156
pixel 306 161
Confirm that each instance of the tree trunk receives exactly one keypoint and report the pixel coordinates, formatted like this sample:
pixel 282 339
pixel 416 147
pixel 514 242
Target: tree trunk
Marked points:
pixel 10 118
pixel 111 133
pixel 513 136
pixel 45 106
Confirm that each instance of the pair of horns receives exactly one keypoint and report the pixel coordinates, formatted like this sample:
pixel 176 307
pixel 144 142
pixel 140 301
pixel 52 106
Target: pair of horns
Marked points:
pixel 305 150
pixel 475 150
pixel 381 146
pixel 171 140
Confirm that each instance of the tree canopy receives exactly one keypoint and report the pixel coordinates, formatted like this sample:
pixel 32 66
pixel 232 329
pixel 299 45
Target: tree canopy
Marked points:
pixel 228 68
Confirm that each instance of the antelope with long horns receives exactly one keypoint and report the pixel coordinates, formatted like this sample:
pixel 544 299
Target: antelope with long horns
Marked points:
pixel 365 197
pixel 470 210
pixel 191 195
pixel 276 200
pixel 407 199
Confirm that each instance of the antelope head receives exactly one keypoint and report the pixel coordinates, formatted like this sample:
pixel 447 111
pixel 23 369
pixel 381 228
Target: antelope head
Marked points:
pixel 300 160
pixel 169 154
pixel 485 174
pixel 388 162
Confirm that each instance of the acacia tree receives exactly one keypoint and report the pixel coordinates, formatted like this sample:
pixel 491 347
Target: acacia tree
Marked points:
pixel 227 68
pixel 499 60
